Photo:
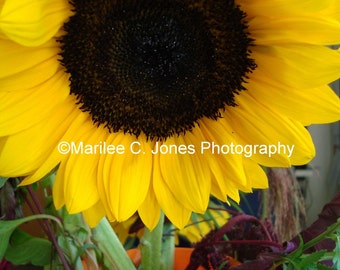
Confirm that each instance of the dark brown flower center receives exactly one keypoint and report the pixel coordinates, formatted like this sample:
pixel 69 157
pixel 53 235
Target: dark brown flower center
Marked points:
pixel 155 66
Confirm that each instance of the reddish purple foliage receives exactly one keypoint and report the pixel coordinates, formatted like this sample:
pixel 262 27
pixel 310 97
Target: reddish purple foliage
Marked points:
pixel 255 243
pixel 247 237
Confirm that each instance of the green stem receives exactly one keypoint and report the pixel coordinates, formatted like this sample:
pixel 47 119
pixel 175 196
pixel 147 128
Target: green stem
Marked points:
pixel 322 236
pixel 217 226
pixel 168 247
pixel 108 242
pixel 236 206
pixel 151 246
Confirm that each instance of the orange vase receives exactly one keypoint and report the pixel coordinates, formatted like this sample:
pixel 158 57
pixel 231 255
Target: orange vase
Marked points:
pixel 182 258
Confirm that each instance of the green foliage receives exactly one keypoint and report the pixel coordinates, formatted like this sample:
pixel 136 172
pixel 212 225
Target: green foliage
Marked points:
pixel 336 253
pixel 312 261
pixel 74 241
pixel 6 230
pixel 24 249
pixel 8 227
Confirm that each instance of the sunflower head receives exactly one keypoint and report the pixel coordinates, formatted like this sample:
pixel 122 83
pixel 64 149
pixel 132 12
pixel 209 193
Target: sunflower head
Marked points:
pixel 165 74
pixel 155 67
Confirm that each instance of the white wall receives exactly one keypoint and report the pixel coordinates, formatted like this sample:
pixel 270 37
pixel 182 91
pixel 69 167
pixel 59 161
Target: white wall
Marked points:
pixel 318 193
pixel 325 180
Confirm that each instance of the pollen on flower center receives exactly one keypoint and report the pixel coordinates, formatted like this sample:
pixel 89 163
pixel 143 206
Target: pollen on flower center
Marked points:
pixel 155 66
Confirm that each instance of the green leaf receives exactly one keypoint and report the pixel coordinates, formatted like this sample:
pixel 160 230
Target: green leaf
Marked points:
pixel 309 261
pixel 24 248
pixel 2 181
pixel 7 227
pixel 4 239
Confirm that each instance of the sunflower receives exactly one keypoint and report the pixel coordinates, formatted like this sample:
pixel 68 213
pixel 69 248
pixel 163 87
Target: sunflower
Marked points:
pixel 154 105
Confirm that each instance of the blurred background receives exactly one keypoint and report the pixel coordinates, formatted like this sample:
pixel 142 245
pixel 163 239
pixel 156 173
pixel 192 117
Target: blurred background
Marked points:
pixel 320 179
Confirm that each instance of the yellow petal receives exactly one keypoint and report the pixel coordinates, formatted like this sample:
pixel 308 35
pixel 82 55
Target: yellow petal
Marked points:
pixel 58 186
pixel 16 58
pixel 259 127
pixel 80 187
pixel 186 175
pixel 169 202
pixel 230 171
pixel 126 176
pixel 31 77
pixel 282 8
pixel 256 176
pixel 22 153
pixel 149 211
pixel 79 121
pixel 103 180
pixel 313 30
pixel 309 106
pixel 298 66
pixel 75 190
pixel 332 11
pixel 23 109
pixel 33 22
pixel 218 153
pixel 94 214
pixel 225 191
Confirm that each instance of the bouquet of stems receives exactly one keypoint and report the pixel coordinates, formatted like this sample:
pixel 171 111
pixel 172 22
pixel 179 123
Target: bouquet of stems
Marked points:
pixel 222 238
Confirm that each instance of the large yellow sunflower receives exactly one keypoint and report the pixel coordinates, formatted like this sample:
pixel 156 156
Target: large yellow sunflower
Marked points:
pixel 217 87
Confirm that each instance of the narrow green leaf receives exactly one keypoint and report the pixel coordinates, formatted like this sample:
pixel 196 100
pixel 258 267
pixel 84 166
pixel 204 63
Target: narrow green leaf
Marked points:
pixel 24 249
pixel 336 258
pixel 298 252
